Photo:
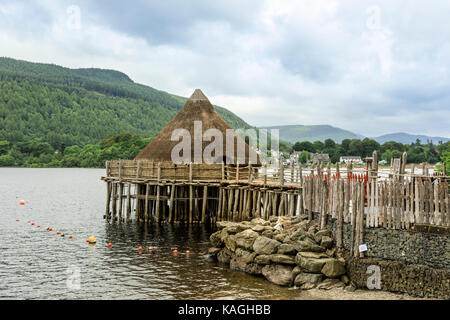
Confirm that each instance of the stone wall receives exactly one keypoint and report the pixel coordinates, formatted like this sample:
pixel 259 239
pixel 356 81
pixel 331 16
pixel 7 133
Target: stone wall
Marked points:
pixel 292 251
pixel 416 280
pixel 410 247
pixel 288 251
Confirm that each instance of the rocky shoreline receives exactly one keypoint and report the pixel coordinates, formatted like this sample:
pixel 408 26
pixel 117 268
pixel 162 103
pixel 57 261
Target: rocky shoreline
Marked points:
pixel 287 251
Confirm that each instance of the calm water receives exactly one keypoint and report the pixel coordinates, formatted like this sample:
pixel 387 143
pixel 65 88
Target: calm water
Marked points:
pixel 38 264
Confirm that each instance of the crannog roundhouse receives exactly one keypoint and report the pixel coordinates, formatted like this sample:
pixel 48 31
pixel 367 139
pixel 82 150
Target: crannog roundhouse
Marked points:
pixel 176 177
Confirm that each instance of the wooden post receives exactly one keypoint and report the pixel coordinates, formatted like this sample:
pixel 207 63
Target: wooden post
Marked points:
pixel 158 192
pixel 292 171
pixel 237 171
pixel 108 199
pixel 171 202
pixel 120 200
pixel 355 192
pixel 258 205
pixel 311 197
pixel 250 173
pixel 136 202
pixel 265 175
pixel 340 213
pixel 205 198
pixel 190 193
pixel 128 202
pixel 114 200
pixel 281 170
pixel 219 209
pixel 147 189
pixel 361 219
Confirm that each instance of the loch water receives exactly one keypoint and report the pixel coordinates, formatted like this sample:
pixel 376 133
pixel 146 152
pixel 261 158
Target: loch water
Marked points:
pixel 39 264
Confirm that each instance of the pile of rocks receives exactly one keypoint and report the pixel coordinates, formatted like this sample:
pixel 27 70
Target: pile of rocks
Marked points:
pixel 287 251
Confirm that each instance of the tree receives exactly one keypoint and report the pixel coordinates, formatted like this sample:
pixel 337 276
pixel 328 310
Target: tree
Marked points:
pixel 318 146
pixel 304 157
pixel 4 147
pixel 356 148
pixel 303 146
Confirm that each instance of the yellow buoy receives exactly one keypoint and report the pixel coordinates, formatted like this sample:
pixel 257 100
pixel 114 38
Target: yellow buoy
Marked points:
pixel 92 239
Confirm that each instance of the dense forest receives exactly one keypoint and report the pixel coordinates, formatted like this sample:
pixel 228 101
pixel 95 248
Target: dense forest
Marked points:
pixel 50 104
pixel 417 152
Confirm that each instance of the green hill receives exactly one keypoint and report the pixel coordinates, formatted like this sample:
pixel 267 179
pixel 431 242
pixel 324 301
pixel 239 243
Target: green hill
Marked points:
pixel 407 138
pixel 294 133
pixel 62 106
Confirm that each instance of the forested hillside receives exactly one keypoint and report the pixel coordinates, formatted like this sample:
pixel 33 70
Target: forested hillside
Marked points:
pixel 49 103
pixel 55 116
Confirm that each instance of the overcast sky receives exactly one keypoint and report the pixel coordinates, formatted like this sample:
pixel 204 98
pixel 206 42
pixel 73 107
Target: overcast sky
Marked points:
pixel 369 67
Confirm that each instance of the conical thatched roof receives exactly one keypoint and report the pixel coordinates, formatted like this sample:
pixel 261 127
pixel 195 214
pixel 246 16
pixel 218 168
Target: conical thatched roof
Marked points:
pixel 197 108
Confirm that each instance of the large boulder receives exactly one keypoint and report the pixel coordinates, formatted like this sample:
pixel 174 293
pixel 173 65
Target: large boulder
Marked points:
pixel 230 242
pixel 282 259
pixel 286 248
pixel 326 242
pixel 311 263
pixel 312 278
pixel 264 245
pixel 307 245
pixel 278 274
pixel 245 239
pixel 244 255
pixel 333 268
pixel 328 284
pixel 224 255
pixel 260 221
pixel 322 233
pixel 232 227
pixel 215 239
pixel 262 259
pixel 258 228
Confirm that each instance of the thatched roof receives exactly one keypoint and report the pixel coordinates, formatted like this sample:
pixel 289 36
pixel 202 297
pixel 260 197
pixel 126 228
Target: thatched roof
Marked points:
pixel 197 108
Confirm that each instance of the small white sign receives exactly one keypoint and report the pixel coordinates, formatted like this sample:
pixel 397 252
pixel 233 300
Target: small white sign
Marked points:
pixel 363 247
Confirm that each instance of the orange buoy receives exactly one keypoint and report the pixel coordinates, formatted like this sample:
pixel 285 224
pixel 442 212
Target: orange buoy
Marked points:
pixel 32 223
pixel 140 248
pixel 22 202
pixel 187 252
pixel 87 240
pixel 38 226
pixel 70 237
pixel 150 249
pixel 57 232
pixel 17 219
pixel 109 245
pixel 50 229
pixel 175 251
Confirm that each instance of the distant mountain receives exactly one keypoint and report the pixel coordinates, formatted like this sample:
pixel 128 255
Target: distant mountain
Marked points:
pixel 58 105
pixel 294 133
pixel 407 138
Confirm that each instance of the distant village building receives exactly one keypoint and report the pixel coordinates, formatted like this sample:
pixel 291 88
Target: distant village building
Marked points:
pixel 350 159
pixel 320 157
